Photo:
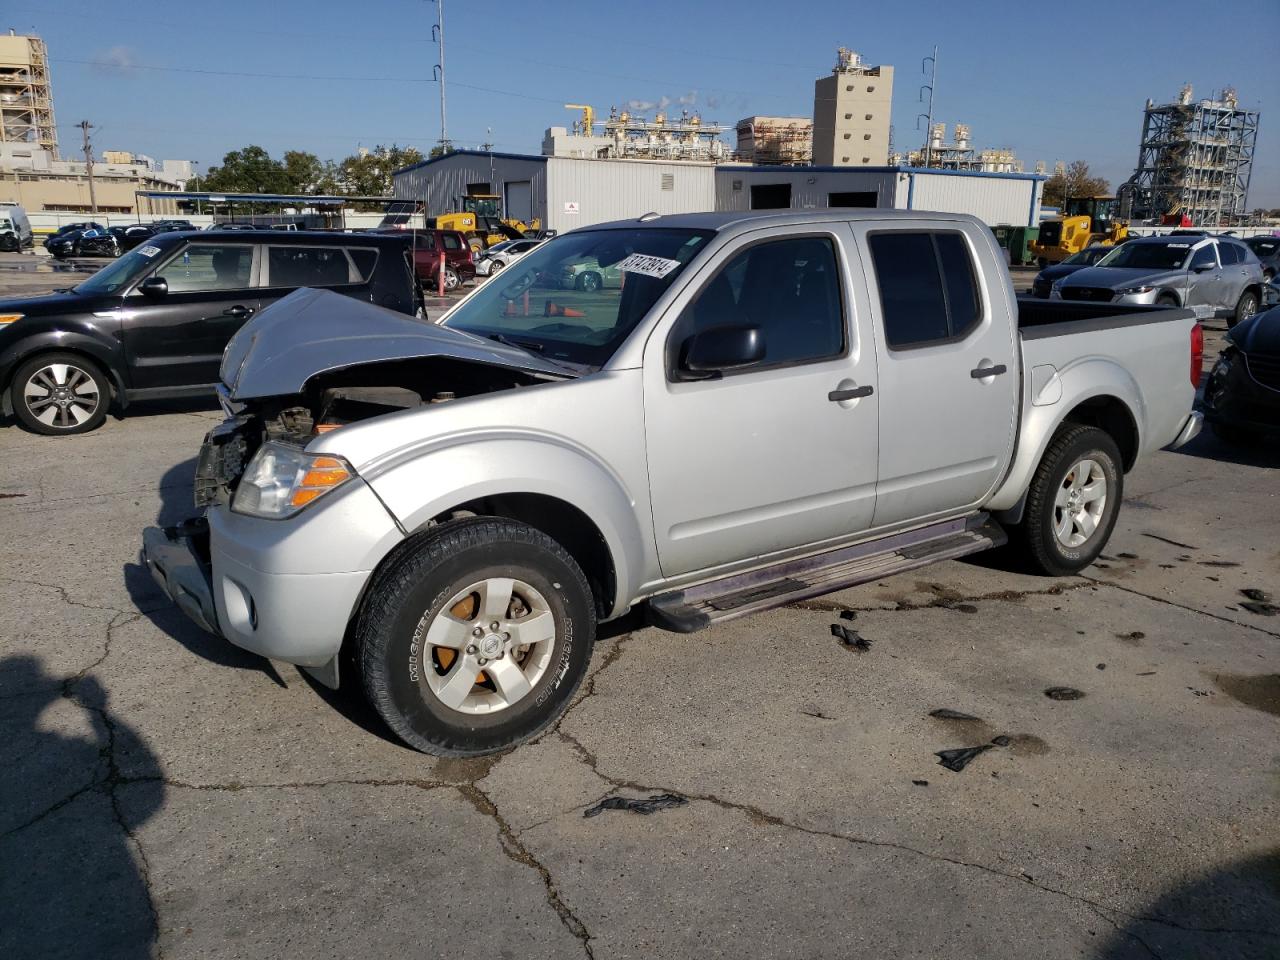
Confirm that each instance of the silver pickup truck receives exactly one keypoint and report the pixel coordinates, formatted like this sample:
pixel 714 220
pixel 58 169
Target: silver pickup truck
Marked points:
pixel 766 407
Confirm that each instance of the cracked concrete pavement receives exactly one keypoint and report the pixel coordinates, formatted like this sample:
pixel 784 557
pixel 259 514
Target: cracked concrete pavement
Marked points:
pixel 168 795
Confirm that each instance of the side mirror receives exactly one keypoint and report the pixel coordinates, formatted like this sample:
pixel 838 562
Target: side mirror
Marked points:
pixel 154 287
pixel 1202 268
pixel 713 351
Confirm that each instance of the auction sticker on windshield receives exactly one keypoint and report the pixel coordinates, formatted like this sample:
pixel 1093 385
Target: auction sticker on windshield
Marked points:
pixel 657 267
pixel 148 251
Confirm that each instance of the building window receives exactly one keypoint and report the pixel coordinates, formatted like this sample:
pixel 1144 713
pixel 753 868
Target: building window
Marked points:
pixel 848 116
pixel 847 136
pixel 868 116
pixel 871 89
pixel 844 159
pixel 849 88
pixel 866 136
pixel 866 159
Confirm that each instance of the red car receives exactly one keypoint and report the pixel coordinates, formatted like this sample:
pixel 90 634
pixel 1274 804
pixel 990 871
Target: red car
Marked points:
pixel 459 261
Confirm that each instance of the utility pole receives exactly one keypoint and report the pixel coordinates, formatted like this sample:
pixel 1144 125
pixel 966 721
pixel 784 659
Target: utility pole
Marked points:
pixel 438 30
pixel 933 80
pixel 85 126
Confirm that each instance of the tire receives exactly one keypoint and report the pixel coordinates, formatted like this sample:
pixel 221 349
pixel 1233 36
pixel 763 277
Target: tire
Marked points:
pixel 589 282
pixel 495 266
pixel 1038 534
pixel 426 591
pixel 9 243
pixel 1166 300
pixel 451 281
pixel 1246 307
pixel 80 382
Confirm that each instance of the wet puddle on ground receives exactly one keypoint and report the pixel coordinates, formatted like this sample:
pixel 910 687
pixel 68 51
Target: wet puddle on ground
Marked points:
pixel 1260 691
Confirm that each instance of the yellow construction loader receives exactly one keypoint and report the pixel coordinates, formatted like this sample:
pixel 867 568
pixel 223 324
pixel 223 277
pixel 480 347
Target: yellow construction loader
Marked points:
pixel 480 219
pixel 1084 221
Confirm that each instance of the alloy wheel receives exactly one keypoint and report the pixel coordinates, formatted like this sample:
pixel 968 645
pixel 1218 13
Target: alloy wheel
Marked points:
pixel 1079 503
pixel 61 395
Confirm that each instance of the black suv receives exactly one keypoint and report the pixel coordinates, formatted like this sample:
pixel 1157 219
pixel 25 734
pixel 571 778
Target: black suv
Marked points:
pixel 154 323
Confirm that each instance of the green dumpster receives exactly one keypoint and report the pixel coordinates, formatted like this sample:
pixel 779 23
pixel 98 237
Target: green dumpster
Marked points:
pixel 1003 233
pixel 1020 240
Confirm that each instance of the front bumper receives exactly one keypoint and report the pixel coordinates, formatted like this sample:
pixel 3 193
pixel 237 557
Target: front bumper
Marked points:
pixel 178 560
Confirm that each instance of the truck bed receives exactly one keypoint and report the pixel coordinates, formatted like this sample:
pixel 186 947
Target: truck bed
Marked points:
pixel 1039 318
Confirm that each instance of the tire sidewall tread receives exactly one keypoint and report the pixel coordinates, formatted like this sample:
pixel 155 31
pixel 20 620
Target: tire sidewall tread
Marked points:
pixel 23 373
pixel 428 565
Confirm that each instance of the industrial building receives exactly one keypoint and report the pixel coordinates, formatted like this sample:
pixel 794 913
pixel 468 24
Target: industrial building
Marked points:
pixel 26 97
pixel 628 136
pixel 32 178
pixel 561 192
pixel 569 192
pixel 995 198
pixel 851 113
pixel 766 140
pixel 959 154
pixel 1194 161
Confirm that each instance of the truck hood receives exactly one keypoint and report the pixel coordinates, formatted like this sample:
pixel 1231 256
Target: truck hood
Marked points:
pixel 310 332
pixel 1116 278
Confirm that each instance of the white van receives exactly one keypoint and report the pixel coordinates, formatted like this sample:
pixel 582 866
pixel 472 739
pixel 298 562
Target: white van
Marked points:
pixel 15 228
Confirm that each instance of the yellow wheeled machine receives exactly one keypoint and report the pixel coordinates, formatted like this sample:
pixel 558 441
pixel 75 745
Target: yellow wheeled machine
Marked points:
pixel 1085 221
pixel 480 219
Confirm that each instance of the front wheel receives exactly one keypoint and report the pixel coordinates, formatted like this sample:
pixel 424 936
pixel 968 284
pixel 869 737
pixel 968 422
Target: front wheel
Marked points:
pixel 1073 501
pixel 589 282
pixel 60 393
pixel 475 638
pixel 1246 307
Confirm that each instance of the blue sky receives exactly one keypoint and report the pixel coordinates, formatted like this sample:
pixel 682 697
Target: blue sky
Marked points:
pixel 511 66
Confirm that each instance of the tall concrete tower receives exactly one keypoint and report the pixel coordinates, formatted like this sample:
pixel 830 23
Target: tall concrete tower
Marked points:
pixel 851 114
pixel 26 99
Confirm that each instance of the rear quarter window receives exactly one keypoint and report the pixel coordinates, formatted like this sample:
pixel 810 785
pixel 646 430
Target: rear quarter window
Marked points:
pixel 365 260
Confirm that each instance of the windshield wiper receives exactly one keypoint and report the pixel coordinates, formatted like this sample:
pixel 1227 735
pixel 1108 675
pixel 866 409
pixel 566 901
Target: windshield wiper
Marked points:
pixel 527 346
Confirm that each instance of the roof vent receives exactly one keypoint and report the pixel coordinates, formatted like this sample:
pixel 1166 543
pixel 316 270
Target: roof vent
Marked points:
pixel 646 217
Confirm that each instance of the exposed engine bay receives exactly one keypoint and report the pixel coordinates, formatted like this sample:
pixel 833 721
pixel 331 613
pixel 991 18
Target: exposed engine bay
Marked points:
pixel 335 399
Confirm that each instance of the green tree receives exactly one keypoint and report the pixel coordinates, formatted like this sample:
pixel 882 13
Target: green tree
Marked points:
pixel 308 174
pixel 1077 181
pixel 249 170
pixel 368 173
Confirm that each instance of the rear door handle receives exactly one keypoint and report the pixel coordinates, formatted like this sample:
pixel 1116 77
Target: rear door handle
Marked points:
pixel 237 311
pixel 994 371
pixel 853 393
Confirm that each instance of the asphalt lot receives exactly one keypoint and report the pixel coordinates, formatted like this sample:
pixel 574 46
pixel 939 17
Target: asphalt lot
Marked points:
pixel 166 794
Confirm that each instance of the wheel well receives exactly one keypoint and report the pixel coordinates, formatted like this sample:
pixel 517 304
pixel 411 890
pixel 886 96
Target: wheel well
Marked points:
pixel 563 523
pixel 1111 415
pixel 1170 294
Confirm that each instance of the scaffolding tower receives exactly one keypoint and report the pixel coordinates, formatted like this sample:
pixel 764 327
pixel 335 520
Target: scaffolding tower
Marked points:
pixel 26 98
pixel 1194 161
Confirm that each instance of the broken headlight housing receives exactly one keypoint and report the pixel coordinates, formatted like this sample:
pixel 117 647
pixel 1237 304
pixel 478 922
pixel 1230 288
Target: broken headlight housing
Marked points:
pixel 281 479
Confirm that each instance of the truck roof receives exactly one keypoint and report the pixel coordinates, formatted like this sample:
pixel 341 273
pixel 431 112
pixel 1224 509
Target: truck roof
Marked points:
pixel 724 221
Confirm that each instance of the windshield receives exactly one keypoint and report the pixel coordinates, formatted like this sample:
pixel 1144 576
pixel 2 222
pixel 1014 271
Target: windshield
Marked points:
pixel 1155 256
pixel 118 274
pixel 577 297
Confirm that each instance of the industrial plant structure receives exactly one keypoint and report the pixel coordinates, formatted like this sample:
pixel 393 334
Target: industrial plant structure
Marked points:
pixel 26 98
pixel 630 136
pixel 851 111
pixel 958 154
pixel 1194 161
pixel 767 140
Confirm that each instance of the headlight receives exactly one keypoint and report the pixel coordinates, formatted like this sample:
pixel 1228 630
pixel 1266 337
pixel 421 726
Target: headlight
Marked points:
pixel 280 480
pixel 7 318
pixel 1127 291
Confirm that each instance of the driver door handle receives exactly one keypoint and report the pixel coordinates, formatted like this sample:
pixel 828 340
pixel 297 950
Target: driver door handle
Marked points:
pixel 994 371
pixel 853 393
pixel 237 311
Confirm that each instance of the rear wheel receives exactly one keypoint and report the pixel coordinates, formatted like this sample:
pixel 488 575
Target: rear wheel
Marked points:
pixel 60 393
pixel 451 280
pixel 475 639
pixel 1072 502
pixel 1246 307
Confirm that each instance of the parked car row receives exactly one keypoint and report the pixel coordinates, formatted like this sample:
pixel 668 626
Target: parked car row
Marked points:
pixel 91 239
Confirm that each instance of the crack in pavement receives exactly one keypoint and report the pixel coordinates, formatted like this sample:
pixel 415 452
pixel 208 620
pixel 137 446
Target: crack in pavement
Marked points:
pixel 63 595
pixel 1182 606
pixel 517 851
pixel 760 817
pixel 1126 931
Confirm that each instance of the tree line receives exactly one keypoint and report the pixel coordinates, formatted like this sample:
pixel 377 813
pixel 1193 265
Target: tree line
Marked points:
pixel 252 169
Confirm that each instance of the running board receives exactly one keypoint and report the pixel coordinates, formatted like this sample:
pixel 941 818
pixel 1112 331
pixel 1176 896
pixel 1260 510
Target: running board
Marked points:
pixel 694 608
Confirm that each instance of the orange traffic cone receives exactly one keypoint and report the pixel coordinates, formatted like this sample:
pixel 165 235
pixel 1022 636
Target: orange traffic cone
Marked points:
pixel 510 310
pixel 555 310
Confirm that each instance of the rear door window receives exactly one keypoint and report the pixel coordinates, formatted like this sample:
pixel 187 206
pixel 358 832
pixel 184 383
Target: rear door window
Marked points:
pixel 309 267
pixel 452 241
pixel 209 266
pixel 928 287
pixel 364 259
pixel 1230 253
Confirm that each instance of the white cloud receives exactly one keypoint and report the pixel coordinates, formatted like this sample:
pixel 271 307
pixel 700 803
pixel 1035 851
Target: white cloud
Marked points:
pixel 117 60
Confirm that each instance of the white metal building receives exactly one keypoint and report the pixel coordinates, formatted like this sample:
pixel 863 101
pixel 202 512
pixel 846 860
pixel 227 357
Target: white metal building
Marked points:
pixel 569 192
pixel 563 192
pixel 995 198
